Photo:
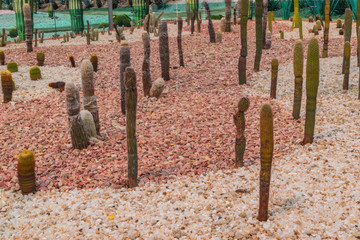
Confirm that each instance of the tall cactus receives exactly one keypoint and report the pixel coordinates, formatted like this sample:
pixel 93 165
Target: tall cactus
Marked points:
pixel 89 99
pixel 264 22
pixel 298 63
pixel 243 52
pixel 146 77
pixel 131 102
pixel 28 27
pixel 312 84
pixel 76 16
pixel 270 20
pixel 181 57
pixel 227 15
pixel 240 140
pixel 124 63
pixel 326 30
pixel 357 32
pixel 266 154
pixel 300 28
pixel 210 23
pixel 164 50
pixel 347 31
pixel 19 14
pixel 346 65
pixel 258 17
pixel 295 22
pixel 274 75
pixel 26 171
pixel 7 85
pixel 141 8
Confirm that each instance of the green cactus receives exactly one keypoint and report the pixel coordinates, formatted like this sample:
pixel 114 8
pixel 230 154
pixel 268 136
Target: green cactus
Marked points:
pixel 40 57
pixel 94 61
pixel 270 20
pixel 12 67
pixel 326 30
pixel 35 73
pixel 2 57
pixel 347 65
pixel 76 16
pixel 295 22
pixel 281 35
pixel 312 84
pixel 26 171
pixel 338 23
pixel 266 154
pixel 141 8
pixel 19 14
pixel 300 28
pixel 298 63
pixel 243 52
pixel 258 17
pixel 274 75
pixel 50 11
pixel 318 24
pixel 7 85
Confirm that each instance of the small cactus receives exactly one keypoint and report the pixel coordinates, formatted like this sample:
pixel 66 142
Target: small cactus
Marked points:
pixel 270 20
pixel 338 23
pixel 341 31
pixel 72 61
pixel 26 172
pixel 35 73
pixel 40 57
pixel 346 65
pixel 311 19
pixel 7 85
pixel 240 140
pixel 12 67
pixel 281 35
pixel 274 75
pixel 94 61
pixel 319 26
pixel 157 88
pixel 2 57
pixel 298 72
pixel 89 124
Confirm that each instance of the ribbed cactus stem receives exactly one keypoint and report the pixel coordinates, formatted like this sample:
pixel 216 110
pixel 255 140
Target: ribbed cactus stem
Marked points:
pixel 281 35
pixel 300 28
pixel 28 27
pixel 35 73
pixel 94 62
pixel 40 57
pixel 210 23
pixel 312 84
pixel 326 30
pixel 339 23
pixel 274 75
pixel 2 57
pixel 164 50
pixel 131 102
pixel 146 76
pixel 240 140
pixel 266 154
pixel 295 22
pixel 124 63
pixel 347 65
pixel 181 57
pixel 89 99
pixel 7 85
pixel 26 172
pixel 269 19
pixel 258 18
pixel 243 52
pixel 298 63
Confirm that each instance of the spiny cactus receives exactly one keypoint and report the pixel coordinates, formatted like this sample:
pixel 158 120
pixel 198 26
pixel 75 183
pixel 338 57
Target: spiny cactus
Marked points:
pixel 72 61
pixel 298 63
pixel 326 30
pixel 2 57
pixel 315 29
pixel 318 24
pixel 311 19
pixel 28 27
pixel 146 76
pixel 210 23
pixel 7 85
pixel 266 154
pixel 124 63
pixel 40 57
pixel 181 57
pixel 12 67
pixel 281 35
pixel 35 73
pixel 240 140
pixel 258 14
pixel 243 51
pixel 89 99
pixel 338 23
pixel 79 138
pixel 346 65
pixel 94 61
pixel 312 84
pixel 131 102
pixel 89 124
pixel 274 75
pixel 300 28
pixel 164 50
pixel 26 172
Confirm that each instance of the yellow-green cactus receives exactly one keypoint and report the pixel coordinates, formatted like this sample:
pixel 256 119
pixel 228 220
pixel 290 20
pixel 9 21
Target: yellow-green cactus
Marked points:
pixel 40 57
pixel 300 28
pixel 298 72
pixel 347 65
pixel 295 22
pixel 281 34
pixel 12 67
pixel 7 85
pixel 311 19
pixel 94 61
pixel 2 57
pixel 35 73
pixel 26 172
pixel 270 21
pixel 274 75
pixel 318 23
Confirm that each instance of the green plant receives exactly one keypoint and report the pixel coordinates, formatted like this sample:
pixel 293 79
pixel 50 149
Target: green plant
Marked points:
pixel 13 32
pixel 311 19
pixel 346 65
pixel 122 20
pixel 281 35
pixel 35 73
pixel 240 140
pixel 298 63
pixel 218 16
pixel 270 20
pixel 338 23
pixel 258 18
pixel 274 75
pixel 243 51
pixel 2 57
pixel 7 85
pixel 12 67
pixel 40 57
pixel 300 28
pixel 26 171
pixel 101 25
pixel 50 11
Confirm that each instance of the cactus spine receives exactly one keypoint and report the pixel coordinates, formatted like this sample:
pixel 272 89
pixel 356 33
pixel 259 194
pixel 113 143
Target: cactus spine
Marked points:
pixel 243 52
pixel 240 140
pixel 181 56
pixel 274 75
pixel 164 50
pixel 258 14
pixel 7 85
pixel 347 65
pixel 124 63
pixel 40 57
pixel 326 30
pixel 347 31
pixel 146 77
pixel 266 154
pixel 2 57
pixel 26 171
pixel 312 84
pixel 94 62
pixel 131 101
pixel 298 72
pixel 210 23
pixel 300 28
pixel 28 27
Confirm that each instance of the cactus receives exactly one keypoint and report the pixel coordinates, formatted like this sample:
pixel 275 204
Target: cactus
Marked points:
pixel 36 34
pixel 341 31
pixel 89 99
pixel 274 75
pixel 141 8
pixel 240 140
pixel 298 63
pixel 266 154
pixel 311 19
pixel 243 52
pixel 72 61
pixel 258 18
pixel 346 65
pixel 219 37
pixel 79 138
pixel 50 11
pixel 146 77
pixel 3 40
pixel 234 15
pixel 94 61
pixel 40 57
pixel 41 40
pixel 20 18
pixel 28 27
pixel 181 57
pixel 227 16
pixel 124 63
pixel 12 67
pixel 315 29
pixel 312 84
pixel 164 50
pixel 2 57
pixel 26 172
pixel 192 25
pixel 269 19
pixel 347 32
pixel 131 27
pixel 131 101
pixel 76 16
pixel 295 22
pixel 338 23
pixel 35 73
pixel 300 28
pixel 210 23
pixel 318 24
pixel 326 29
pixel 357 33
pixel 157 88
pixel 264 23
pixel 7 85
pixel 281 34
pixel 89 124
pixel 67 37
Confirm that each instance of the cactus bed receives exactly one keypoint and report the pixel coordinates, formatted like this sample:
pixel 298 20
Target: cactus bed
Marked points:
pixel 184 138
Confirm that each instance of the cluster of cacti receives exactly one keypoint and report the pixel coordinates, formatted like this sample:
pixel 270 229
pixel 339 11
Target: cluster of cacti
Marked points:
pixel 295 22
pixel 164 50
pixel 26 171
pixel 28 27
pixel 157 88
pixel 35 73
pixel 264 23
pixel 338 23
pixel 258 18
pixel 312 84
pixel 240 140
pixel 311 19
pixel 7 85
pixel 3 38
pixel 298 63
pixel 79 138
pixel 89 99
pixel 274 75
pixel 347 31
pixel 243 51
pixel 210 24
pixel 2 57
pixel 12 67
pixel 40 57
pixel 72 35
pixel 94 61
pixel 146 77
pixel 124 63
pixel 326 29
pixel 227 16
pixel 181 56
pixel 300 28
pixel 346 65
pixel 281 34
pixel 266 155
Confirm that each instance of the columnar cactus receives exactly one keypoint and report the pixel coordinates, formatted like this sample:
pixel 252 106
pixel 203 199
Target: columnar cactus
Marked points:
pixel 28 27
pixel 240 140
pixel 164 50
pixel 26 172
pixel 192 22
pixel 210 23
pixel 338 23
pixel 12 67
pixel 264 22
pixel 36 40
pixel 19 14
pixel 300 28
pixel 79 138
pixel 346 65
pixel 76 15
pixel 266 154
pixel 234 14
pixel 89 124
pixel 35 73
pixel 269 20
pixel 2 57
pixel 281 34
pixel 72 61
pixel 40 57
pixel 347 31
pixel 131 102
pixel 94 61
pixel 312 84
pixel 181 56
pixel 295 22
pixel 243 51
pixel 157 88
pixel 146 77
pixel 141 8
pixel 3 38
pixel 326 30
pixel 258 14
pixel 41 40
pixel 274 75
pixel 124 63
pixel 227 15
pixel 298 63
pixel 7 85
pixel 89 99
